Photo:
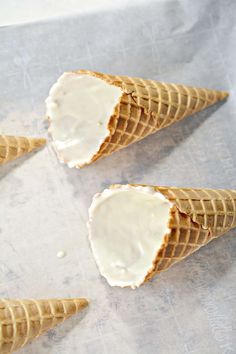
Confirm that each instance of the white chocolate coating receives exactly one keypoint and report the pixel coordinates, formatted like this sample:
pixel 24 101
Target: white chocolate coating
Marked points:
pixel 79 107
pixel 127 226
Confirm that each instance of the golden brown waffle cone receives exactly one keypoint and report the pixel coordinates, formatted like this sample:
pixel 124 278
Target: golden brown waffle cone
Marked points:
pixel 197 217
pixel 23 320
pixel 147 106
pixel 12 147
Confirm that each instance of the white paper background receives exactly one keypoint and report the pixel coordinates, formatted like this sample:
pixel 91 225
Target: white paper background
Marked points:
pixel 43 209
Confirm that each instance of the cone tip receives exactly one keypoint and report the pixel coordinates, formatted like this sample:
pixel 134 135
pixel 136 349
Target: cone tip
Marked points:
pixel 224 95
pixel 80 301
pixel 83 302
pixel 39 142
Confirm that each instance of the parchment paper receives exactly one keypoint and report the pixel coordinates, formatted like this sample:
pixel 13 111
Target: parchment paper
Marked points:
pixel 43 205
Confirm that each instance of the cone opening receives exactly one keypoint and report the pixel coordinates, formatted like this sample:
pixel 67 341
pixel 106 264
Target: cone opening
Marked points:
pixel 127 226
pixel 79 108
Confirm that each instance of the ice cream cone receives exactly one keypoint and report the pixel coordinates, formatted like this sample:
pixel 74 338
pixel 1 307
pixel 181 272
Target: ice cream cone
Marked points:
pixel 23 320
pixel 155 228
pixel 12 147
pixel 94 118
pixel 147 106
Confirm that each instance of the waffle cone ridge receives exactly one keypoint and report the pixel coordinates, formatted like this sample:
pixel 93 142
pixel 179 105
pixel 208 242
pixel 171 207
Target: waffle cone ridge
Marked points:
pixel 197 217
pixel 147 106
pixel 23 320
pixel 12 147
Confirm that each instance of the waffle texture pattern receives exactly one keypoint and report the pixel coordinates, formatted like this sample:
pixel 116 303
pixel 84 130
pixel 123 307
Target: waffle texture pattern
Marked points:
pixel 147 106
pixel 23 320
pixel 12 147
pixel 197 216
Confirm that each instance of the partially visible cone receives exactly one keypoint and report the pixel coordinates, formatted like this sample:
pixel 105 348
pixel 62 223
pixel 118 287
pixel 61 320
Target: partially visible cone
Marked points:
pixel 23 320
pixel 12 147
pixel 147 106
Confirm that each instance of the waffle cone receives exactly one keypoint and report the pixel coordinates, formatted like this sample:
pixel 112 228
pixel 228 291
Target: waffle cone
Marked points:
pixel 12 147
pixel 23 320
pixel 197 217
pixel 147 106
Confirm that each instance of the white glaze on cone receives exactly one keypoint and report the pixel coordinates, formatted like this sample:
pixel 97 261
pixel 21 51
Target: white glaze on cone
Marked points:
pixel 79 107
pixel 127 226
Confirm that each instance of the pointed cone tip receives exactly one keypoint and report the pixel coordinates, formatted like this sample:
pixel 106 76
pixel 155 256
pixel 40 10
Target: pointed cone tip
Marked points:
pixel 223 95
pixel 38 142
pixel 82 302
